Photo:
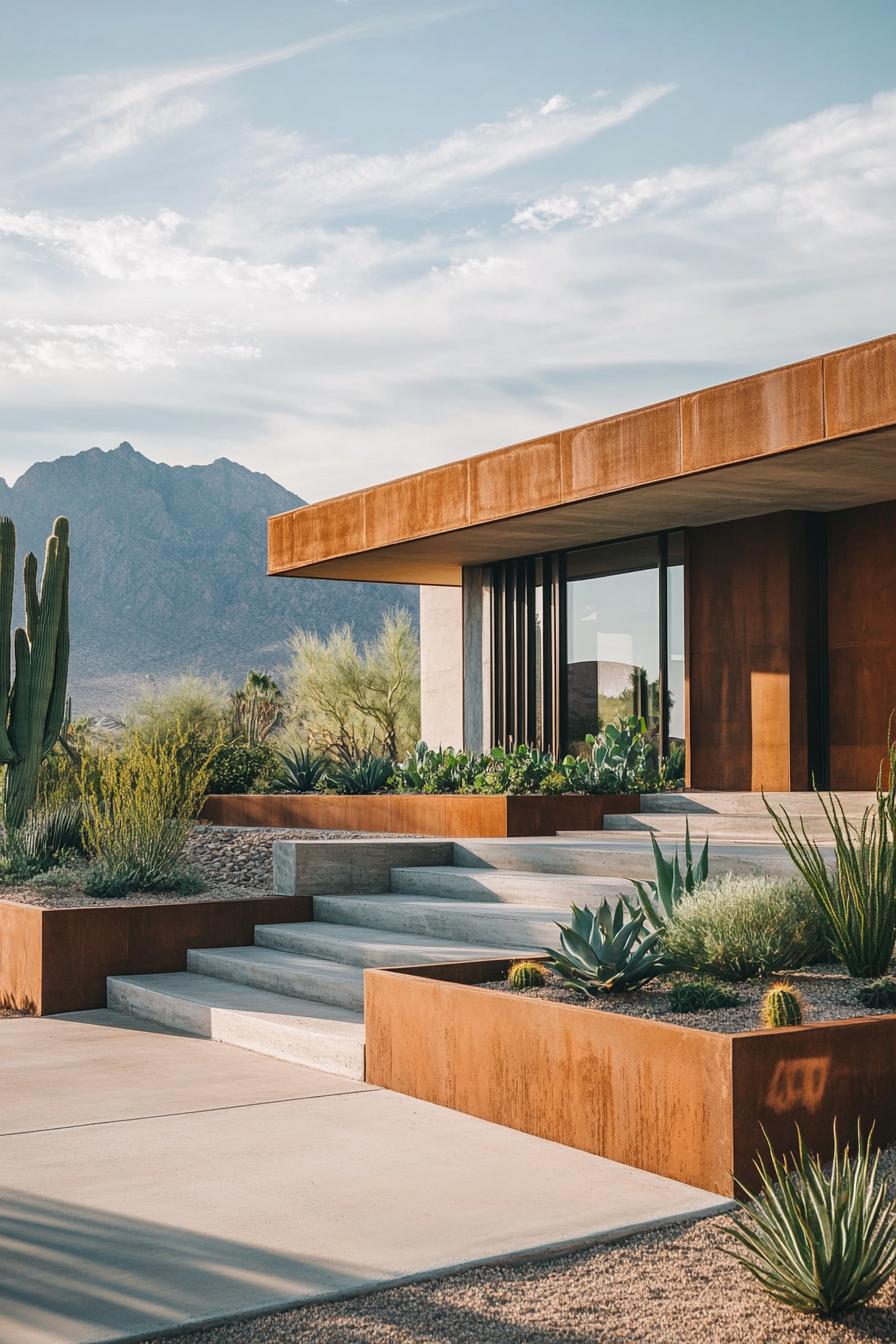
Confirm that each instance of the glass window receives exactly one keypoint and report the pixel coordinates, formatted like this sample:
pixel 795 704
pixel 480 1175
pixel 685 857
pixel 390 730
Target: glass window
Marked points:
pixel 675 626
pixel 613 621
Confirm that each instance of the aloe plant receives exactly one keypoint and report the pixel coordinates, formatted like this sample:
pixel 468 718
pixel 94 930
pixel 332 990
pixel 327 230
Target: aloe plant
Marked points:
pixel 821 1243
pixel 364 773
pixel 603 952
pixel 658 900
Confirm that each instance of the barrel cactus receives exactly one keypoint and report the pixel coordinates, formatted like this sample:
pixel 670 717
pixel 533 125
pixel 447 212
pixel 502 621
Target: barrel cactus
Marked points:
pixel 526 975
pixel 782 1007
pixel 32 702
pixel 879 994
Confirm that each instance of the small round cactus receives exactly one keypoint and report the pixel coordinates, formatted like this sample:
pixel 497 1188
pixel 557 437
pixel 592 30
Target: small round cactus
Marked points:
pixel 526 975
pixel 879 994
pixel 782 1007
pixel 698 996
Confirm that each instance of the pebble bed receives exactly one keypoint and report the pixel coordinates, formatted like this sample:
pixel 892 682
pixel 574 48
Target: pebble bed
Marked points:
pixel 234 862
pixel 829 995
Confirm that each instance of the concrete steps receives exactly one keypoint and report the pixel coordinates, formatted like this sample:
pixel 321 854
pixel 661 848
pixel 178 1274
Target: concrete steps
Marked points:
pixel 302 1031
pixel 554 890
pixel 482 922
pixel 300 977
pixel 356 945
pixel 751 804
pixel 714 825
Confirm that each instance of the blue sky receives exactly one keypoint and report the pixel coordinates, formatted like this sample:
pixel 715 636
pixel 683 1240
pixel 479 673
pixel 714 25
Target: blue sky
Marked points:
pixel 343 239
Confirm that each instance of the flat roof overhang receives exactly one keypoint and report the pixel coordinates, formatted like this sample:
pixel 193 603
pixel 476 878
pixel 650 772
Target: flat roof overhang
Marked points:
pixel 818 435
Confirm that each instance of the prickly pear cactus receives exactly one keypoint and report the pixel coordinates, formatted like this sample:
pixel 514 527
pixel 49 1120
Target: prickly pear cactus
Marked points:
pixel 32 701
pixel 782 1007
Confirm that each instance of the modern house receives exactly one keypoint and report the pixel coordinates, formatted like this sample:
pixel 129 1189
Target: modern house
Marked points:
pixel 723 562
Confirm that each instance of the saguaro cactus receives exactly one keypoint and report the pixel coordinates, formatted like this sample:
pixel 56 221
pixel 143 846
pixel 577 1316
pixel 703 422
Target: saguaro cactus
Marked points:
pixel 32 705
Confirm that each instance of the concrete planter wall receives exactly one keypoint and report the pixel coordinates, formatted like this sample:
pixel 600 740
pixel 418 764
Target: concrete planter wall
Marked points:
pixel 56 961
pixel 454 816
pixel 678 1101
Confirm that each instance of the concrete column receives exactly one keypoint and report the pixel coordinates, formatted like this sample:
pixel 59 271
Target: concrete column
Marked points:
pixel 477 655
pixel 441 666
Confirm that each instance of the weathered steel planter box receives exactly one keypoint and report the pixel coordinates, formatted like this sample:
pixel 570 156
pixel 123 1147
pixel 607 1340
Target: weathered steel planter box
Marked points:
pixel 454 816
pixel 678 1101
pixel 57 960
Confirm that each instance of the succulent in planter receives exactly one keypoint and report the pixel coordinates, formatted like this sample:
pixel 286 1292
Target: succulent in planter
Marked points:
pixel 782 1007
pixel 879 994
pixel 658 900
pixel 700 996
pixel 300 771
pixel 526 975
pixel 602 951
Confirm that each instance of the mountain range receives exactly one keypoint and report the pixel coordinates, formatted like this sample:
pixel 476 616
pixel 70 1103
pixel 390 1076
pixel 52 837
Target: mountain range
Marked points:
pixel 169 571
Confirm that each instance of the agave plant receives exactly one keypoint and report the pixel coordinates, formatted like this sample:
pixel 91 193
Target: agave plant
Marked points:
pixel 657 900
pixel 603 952
pixel 300 771
pixel 364 773
pixel 821 1243
pixel 858 900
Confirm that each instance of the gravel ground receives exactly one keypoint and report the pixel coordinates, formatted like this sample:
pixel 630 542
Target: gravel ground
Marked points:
pixel 234 862
pixel 829 995
pixel 673 1286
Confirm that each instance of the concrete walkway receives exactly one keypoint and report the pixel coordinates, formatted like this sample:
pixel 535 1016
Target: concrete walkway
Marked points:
pixel 153 1180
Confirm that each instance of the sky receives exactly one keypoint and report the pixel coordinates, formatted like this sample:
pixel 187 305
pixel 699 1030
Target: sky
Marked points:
pixel 342 240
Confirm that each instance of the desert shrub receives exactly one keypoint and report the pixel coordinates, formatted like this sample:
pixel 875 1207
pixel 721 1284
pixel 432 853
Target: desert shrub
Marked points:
pixel 340 697
pixel 139 806
pixel 191 706
pixel 700 996
pixel 821 1241
pixel 299 771
pixel 522 770
pixel 857 900
pixel 236 767
pixel 738 927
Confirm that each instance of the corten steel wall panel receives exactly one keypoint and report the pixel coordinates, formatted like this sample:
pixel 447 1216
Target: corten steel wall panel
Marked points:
pixel 623 451
pixel 650 1095
pixel 317 531
pixel 862 640
pixel 746 654
pixel 860 387
pixel 67 966
pixel 515 480
pixel 453 815
pixel 808 1076
pixel 435 501
pixel 684 1103
pixel 764 414
pixel 21 935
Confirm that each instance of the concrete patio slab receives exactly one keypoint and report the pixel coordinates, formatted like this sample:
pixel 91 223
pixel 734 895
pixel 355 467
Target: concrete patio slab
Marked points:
pixel 242 1183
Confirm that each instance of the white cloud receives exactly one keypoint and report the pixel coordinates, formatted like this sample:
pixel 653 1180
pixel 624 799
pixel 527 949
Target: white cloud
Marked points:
pixel 32 347
pixel 830 173
pixel 349 354
pixel 126 249
pixel 312 185
pixel 86 120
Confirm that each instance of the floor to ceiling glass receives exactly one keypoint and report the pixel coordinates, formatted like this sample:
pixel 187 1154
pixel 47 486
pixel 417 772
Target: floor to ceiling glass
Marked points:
pixel 613 637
